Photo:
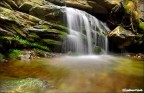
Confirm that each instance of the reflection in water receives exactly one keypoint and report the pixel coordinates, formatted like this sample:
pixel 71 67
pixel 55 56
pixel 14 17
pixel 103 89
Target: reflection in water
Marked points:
pixel 96 74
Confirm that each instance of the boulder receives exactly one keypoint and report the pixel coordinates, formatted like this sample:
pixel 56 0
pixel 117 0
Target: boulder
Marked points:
pixel 121 33
pixel 120 38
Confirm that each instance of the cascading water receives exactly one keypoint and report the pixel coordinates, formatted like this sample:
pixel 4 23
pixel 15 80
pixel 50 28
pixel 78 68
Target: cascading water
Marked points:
pixel 85 32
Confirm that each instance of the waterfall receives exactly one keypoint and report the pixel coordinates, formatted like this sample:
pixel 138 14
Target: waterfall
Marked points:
pixel 85 32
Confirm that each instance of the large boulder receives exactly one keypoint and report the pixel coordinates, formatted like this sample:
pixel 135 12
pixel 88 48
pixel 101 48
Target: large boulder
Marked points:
pixel 120 38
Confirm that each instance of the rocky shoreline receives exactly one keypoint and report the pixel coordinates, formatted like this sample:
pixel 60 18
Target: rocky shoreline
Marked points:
pixel 138 56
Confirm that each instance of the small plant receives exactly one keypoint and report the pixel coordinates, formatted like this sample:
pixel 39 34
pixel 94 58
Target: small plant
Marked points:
pixel 14 53
pixel 97 50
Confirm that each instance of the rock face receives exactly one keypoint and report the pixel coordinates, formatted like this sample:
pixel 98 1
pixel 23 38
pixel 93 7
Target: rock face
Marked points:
pixel 19 31
pixel 91 6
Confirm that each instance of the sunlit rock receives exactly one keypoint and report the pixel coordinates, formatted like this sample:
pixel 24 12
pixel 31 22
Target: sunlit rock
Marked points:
pixel 121 38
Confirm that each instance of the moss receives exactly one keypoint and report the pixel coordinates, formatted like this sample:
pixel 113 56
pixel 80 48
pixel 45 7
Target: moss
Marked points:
pixel 50 41
pixel 33 35
pixel 46 27
pixel 97 50
pixel 23 42
pixel 1 56
pixel 33 44
pixel 62 35
pixel 129 6
pixel 20 32
pixel 14 53
pixel 63 27
pixel 141 25
pixel 136 15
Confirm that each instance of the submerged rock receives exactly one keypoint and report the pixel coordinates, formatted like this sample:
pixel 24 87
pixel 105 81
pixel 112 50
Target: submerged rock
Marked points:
pixel 28 85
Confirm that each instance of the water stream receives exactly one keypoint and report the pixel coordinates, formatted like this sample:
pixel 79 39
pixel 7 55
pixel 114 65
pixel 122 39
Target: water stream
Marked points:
pixel 85 32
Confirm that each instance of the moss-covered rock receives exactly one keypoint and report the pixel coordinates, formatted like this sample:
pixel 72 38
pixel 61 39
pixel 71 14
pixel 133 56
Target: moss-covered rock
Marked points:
pixel 23 31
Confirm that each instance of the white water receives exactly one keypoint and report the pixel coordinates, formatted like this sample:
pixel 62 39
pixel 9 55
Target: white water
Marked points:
pixel 85 32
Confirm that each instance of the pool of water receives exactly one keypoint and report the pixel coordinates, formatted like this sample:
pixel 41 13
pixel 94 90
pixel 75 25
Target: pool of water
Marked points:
pixel 81 74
